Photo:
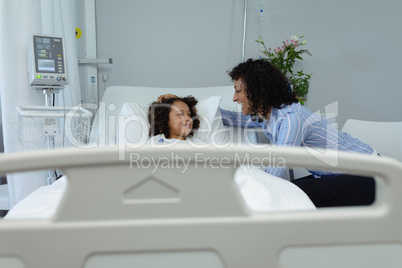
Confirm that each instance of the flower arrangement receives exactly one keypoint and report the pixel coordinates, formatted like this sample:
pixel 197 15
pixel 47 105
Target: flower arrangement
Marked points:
pixel 284 58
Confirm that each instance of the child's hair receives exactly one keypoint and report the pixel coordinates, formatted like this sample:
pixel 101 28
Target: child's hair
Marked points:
pixel 158 115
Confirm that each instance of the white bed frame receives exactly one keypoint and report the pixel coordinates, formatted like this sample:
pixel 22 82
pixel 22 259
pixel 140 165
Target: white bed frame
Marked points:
pixel 114 215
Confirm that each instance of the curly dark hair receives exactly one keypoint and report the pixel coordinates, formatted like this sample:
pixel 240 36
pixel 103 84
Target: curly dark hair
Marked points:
pixel 158 115
pixel 265 85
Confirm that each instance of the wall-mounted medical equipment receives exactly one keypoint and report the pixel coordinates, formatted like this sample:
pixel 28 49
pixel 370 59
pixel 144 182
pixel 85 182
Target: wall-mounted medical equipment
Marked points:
pixel 92 89
pixel 95 61
pixel 47 65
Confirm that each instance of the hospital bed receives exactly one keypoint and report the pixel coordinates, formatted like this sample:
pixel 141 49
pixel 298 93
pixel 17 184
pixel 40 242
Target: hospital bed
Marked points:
pixel 118 212
pixel 197 218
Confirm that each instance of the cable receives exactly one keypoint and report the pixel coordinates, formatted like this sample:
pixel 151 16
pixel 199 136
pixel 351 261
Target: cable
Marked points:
pixel 64 119
pixel 57 176
pixel 73 91
pixel 81 120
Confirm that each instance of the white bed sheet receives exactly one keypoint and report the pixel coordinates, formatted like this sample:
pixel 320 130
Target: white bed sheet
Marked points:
pixel 40 204
pixel 261 193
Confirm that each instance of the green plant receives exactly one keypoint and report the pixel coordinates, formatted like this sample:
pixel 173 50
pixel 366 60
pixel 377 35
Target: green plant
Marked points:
pixel 284 58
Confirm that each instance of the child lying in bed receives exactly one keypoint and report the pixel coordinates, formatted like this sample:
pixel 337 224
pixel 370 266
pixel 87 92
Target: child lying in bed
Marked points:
pixel 173 120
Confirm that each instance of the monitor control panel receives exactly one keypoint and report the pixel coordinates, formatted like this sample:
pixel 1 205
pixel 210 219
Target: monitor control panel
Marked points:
pixel 47 61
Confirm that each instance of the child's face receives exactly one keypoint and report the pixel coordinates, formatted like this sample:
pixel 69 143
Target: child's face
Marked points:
pixel 180 121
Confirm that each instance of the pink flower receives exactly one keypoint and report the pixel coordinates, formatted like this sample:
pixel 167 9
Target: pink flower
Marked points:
pixel 294 37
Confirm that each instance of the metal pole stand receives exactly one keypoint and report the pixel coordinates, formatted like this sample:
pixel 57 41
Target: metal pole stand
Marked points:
pixel 50 139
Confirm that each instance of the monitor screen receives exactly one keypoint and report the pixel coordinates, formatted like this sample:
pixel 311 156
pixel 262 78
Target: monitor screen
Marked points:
pixel 46 66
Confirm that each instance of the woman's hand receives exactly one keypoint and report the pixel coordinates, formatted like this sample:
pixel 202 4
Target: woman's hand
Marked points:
pixel 166 96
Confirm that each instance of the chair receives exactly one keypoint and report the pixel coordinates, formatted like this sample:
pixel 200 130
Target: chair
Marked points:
pixel 385 137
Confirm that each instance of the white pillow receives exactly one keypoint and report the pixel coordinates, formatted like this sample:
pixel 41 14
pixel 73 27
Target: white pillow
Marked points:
pixel 211 126
pixel 263 192
pixel 133 126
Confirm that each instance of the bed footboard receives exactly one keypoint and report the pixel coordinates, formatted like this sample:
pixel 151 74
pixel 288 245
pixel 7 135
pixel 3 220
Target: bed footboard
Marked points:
pixel 181 208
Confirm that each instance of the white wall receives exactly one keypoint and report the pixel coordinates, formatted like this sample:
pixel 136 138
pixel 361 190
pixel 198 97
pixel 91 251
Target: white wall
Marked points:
pixel 182 43
pixel 356 53
pixel 163 43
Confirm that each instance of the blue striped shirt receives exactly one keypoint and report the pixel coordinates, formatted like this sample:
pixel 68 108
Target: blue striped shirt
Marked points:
pixel 295 125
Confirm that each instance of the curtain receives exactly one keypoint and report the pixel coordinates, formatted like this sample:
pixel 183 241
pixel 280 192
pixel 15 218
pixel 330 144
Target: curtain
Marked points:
pixel 18 20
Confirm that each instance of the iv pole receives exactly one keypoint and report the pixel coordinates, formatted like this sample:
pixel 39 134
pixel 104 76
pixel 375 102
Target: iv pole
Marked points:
pixel 244 31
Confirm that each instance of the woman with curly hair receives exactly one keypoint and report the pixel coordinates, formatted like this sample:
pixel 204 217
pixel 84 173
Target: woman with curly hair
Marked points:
pixel 267 101
pixel 173 119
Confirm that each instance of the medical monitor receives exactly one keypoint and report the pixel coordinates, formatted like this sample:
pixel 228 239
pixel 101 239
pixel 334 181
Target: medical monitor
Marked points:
pixel 47 62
